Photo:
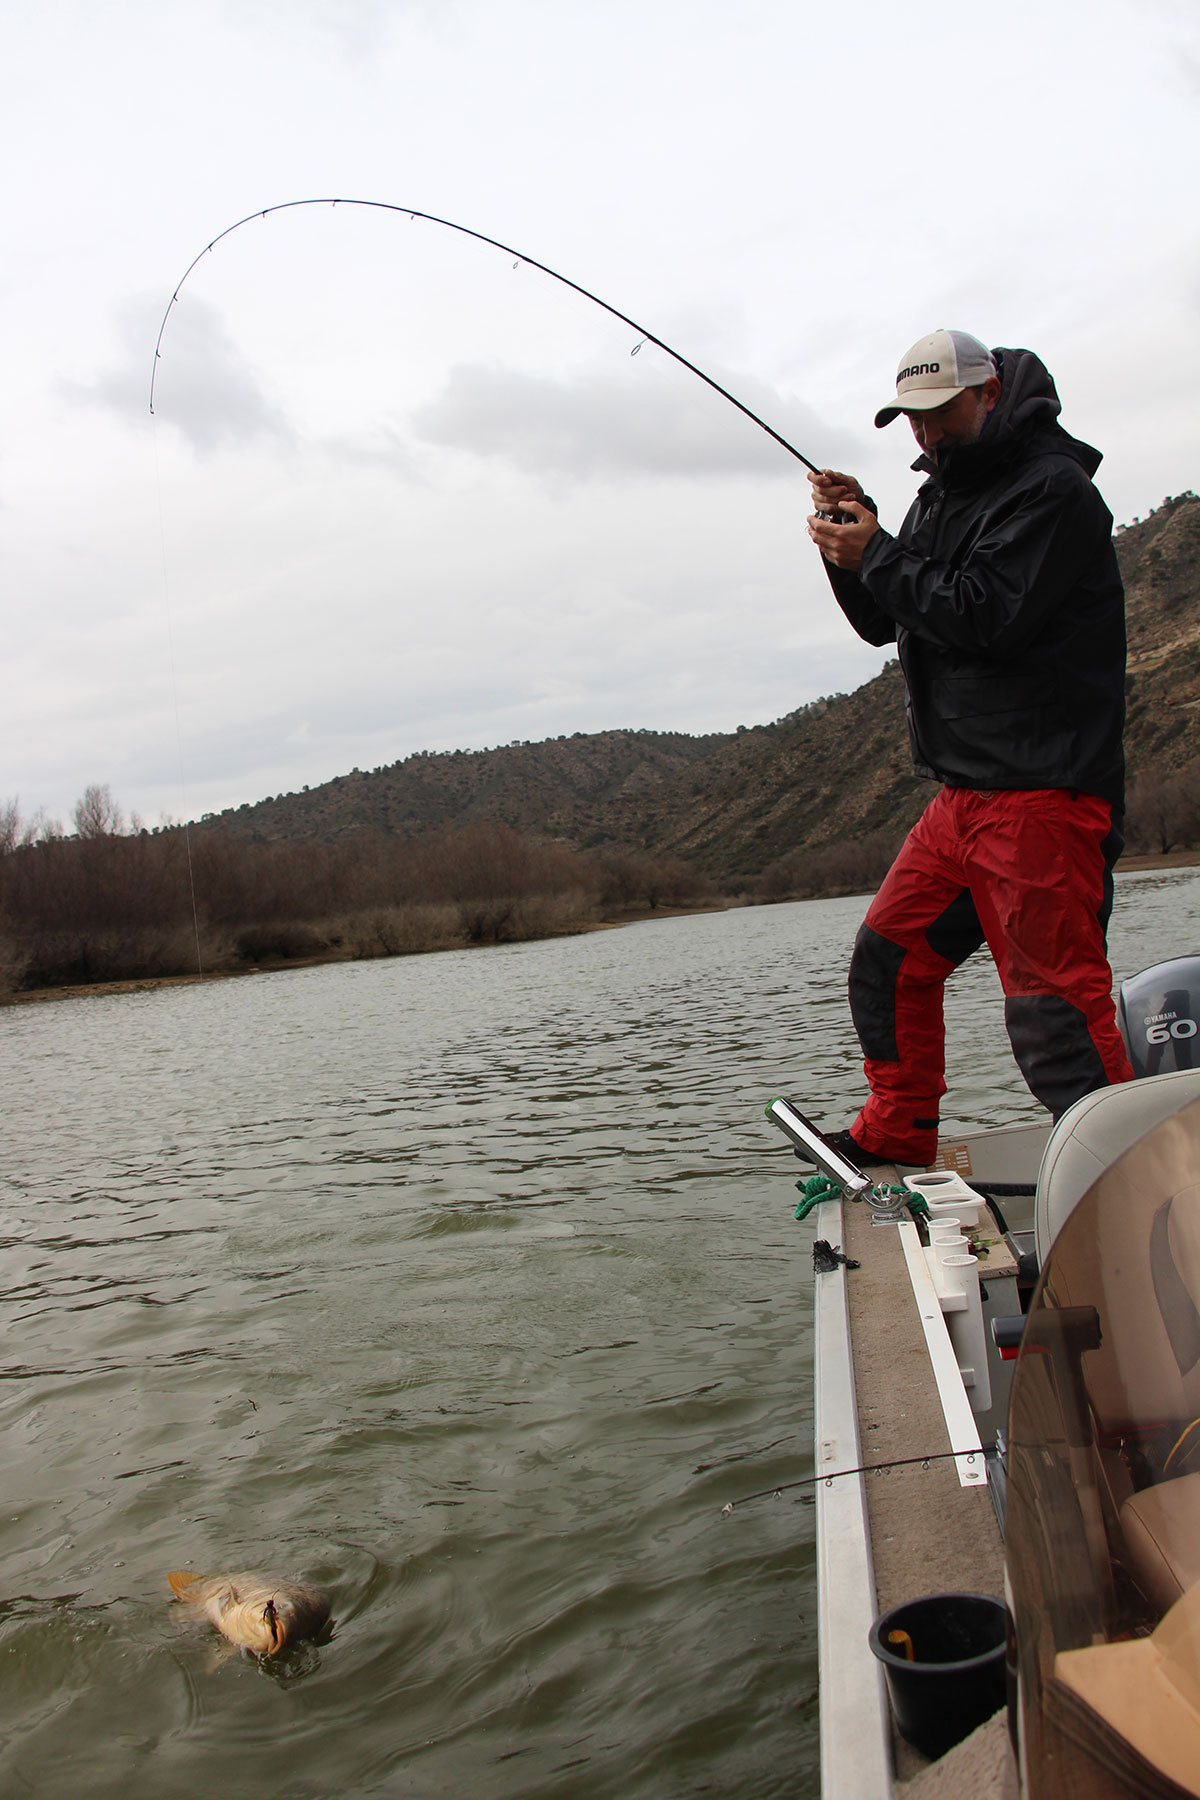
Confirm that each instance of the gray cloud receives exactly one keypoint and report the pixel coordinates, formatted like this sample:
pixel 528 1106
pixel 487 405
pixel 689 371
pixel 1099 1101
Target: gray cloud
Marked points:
pixel 383 447
pixel 204 386
pixel 320 554
pixel 659 421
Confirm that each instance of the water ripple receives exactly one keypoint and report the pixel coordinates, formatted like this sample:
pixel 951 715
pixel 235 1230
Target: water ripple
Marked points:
pixel 466 1285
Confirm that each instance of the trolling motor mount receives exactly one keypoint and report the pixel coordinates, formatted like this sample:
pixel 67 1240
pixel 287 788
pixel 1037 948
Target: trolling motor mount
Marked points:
pixel 886 1208
pixel 809 1142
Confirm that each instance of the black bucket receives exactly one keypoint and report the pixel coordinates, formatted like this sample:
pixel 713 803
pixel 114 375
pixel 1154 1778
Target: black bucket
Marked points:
pixel 955 1679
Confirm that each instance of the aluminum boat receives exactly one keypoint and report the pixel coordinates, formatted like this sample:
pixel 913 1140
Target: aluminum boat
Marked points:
pixel 1007 1444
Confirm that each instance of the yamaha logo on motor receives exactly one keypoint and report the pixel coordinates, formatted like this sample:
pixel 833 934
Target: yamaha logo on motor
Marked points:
pixel 1162 1027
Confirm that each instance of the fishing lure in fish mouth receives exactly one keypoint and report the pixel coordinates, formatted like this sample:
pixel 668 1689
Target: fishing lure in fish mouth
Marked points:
pixel 258 1612
pixel 410 212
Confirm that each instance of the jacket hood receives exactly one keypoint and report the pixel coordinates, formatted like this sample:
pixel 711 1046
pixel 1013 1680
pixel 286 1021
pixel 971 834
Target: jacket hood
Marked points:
pixel 1025 415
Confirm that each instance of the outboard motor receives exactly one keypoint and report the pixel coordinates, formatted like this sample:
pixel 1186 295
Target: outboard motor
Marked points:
pixel 1158 1013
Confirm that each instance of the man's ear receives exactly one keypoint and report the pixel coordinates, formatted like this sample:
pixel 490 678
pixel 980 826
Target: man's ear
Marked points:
pixel 991 391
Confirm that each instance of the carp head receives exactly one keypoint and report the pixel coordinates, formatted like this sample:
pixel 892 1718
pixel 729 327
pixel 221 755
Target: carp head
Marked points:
pixel 256 1612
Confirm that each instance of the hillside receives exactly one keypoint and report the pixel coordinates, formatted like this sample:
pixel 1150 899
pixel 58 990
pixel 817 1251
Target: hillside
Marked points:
pixel 1160 564
pixel 565 787
pixel 732 803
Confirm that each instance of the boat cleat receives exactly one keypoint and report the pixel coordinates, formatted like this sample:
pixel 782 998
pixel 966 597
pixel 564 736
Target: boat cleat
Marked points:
pixel 887 1205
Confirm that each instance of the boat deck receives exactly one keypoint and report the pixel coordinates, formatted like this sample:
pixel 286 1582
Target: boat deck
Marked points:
pixel 905 1532
pixel 928 1533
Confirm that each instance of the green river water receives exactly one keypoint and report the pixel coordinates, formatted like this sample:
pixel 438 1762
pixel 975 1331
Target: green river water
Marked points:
pixel 468 1286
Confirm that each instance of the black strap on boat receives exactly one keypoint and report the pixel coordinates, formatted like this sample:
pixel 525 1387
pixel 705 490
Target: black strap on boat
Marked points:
pixel 827 1257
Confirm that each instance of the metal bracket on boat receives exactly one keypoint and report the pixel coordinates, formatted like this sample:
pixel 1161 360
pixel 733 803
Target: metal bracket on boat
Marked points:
pixel 886 1205
pixel 808 1141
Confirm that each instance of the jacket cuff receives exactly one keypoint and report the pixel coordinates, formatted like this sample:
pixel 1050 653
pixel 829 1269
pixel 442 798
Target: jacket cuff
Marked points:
pixel 876 548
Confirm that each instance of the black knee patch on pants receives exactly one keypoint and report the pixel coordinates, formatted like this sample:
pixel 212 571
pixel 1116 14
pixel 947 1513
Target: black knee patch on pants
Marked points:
pixel 1054 1049
pixel 956 933
pixel 874 968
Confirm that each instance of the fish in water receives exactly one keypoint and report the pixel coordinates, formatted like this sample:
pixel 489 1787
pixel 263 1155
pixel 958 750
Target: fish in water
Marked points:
pixel 255 1611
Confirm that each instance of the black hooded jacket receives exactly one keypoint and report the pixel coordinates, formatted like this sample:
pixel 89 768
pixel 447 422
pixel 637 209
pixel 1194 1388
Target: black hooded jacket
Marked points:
pixel 1002 594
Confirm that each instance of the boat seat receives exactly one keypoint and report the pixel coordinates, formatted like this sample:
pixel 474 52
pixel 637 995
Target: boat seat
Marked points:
pixel 1093 1133
pixel 1162 1537
pixel 1137 1264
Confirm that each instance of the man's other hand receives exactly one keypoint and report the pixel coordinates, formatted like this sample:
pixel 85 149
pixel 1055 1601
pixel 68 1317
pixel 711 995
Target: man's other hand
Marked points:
pixel 832 490
pixel 843 545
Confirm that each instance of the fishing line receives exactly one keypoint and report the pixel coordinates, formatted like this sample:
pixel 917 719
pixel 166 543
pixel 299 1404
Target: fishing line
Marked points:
pixel 166 586
pixel 900 1462
pixel 644 336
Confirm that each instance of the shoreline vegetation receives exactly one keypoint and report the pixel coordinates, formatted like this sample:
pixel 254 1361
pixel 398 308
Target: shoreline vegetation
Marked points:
pixel 147 983
pixel 110 911
pixel 534 840
pixel 114 910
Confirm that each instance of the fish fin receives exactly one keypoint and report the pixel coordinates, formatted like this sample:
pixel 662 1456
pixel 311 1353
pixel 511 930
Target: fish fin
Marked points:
pixel 221 1602
pixel 181 1580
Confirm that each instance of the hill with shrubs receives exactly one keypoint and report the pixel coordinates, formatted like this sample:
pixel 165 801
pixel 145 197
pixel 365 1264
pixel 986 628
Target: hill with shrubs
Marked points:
pixel 473 847
pixel 827 786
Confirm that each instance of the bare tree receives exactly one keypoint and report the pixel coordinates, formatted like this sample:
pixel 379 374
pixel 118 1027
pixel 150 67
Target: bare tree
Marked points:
pixel 97 814
pixel 10 825
pixel 41 829
pixel 1163 809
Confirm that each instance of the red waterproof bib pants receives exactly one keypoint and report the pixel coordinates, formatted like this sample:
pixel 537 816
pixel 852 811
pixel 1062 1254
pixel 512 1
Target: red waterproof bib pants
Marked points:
pixel 1030 872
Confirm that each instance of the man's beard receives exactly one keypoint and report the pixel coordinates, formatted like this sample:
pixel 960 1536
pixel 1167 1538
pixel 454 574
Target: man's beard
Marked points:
pixel 962 440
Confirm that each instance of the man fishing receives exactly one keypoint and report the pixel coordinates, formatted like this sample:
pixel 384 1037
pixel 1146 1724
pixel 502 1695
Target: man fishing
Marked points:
pixel 1002 594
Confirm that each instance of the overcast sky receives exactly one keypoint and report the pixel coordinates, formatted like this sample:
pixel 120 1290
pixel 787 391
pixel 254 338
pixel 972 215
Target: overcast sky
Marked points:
pixel 397 493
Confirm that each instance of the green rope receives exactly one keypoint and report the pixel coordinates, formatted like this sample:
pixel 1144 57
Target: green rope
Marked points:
pixel 815 1188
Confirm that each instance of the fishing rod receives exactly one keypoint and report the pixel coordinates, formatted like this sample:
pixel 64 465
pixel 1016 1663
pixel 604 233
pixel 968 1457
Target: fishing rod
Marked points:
pixel 879 1468
pixel 644 336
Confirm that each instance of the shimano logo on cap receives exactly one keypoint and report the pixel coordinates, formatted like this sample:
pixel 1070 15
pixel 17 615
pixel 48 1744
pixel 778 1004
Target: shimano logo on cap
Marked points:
pixel 935 370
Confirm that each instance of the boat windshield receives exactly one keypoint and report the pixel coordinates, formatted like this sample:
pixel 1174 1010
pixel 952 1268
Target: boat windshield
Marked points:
pixel 1103 1527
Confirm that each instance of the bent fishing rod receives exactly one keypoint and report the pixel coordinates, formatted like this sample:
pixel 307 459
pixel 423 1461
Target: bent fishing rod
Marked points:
pixel 644 336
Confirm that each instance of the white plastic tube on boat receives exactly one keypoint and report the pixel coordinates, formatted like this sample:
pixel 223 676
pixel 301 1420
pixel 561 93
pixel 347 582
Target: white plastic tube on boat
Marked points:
pixel 956 1271
pixel 945 1239
pixel 960 1275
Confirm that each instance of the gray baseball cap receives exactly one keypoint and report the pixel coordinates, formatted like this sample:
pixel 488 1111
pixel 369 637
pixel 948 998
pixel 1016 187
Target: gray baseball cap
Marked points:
pixel 936 369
